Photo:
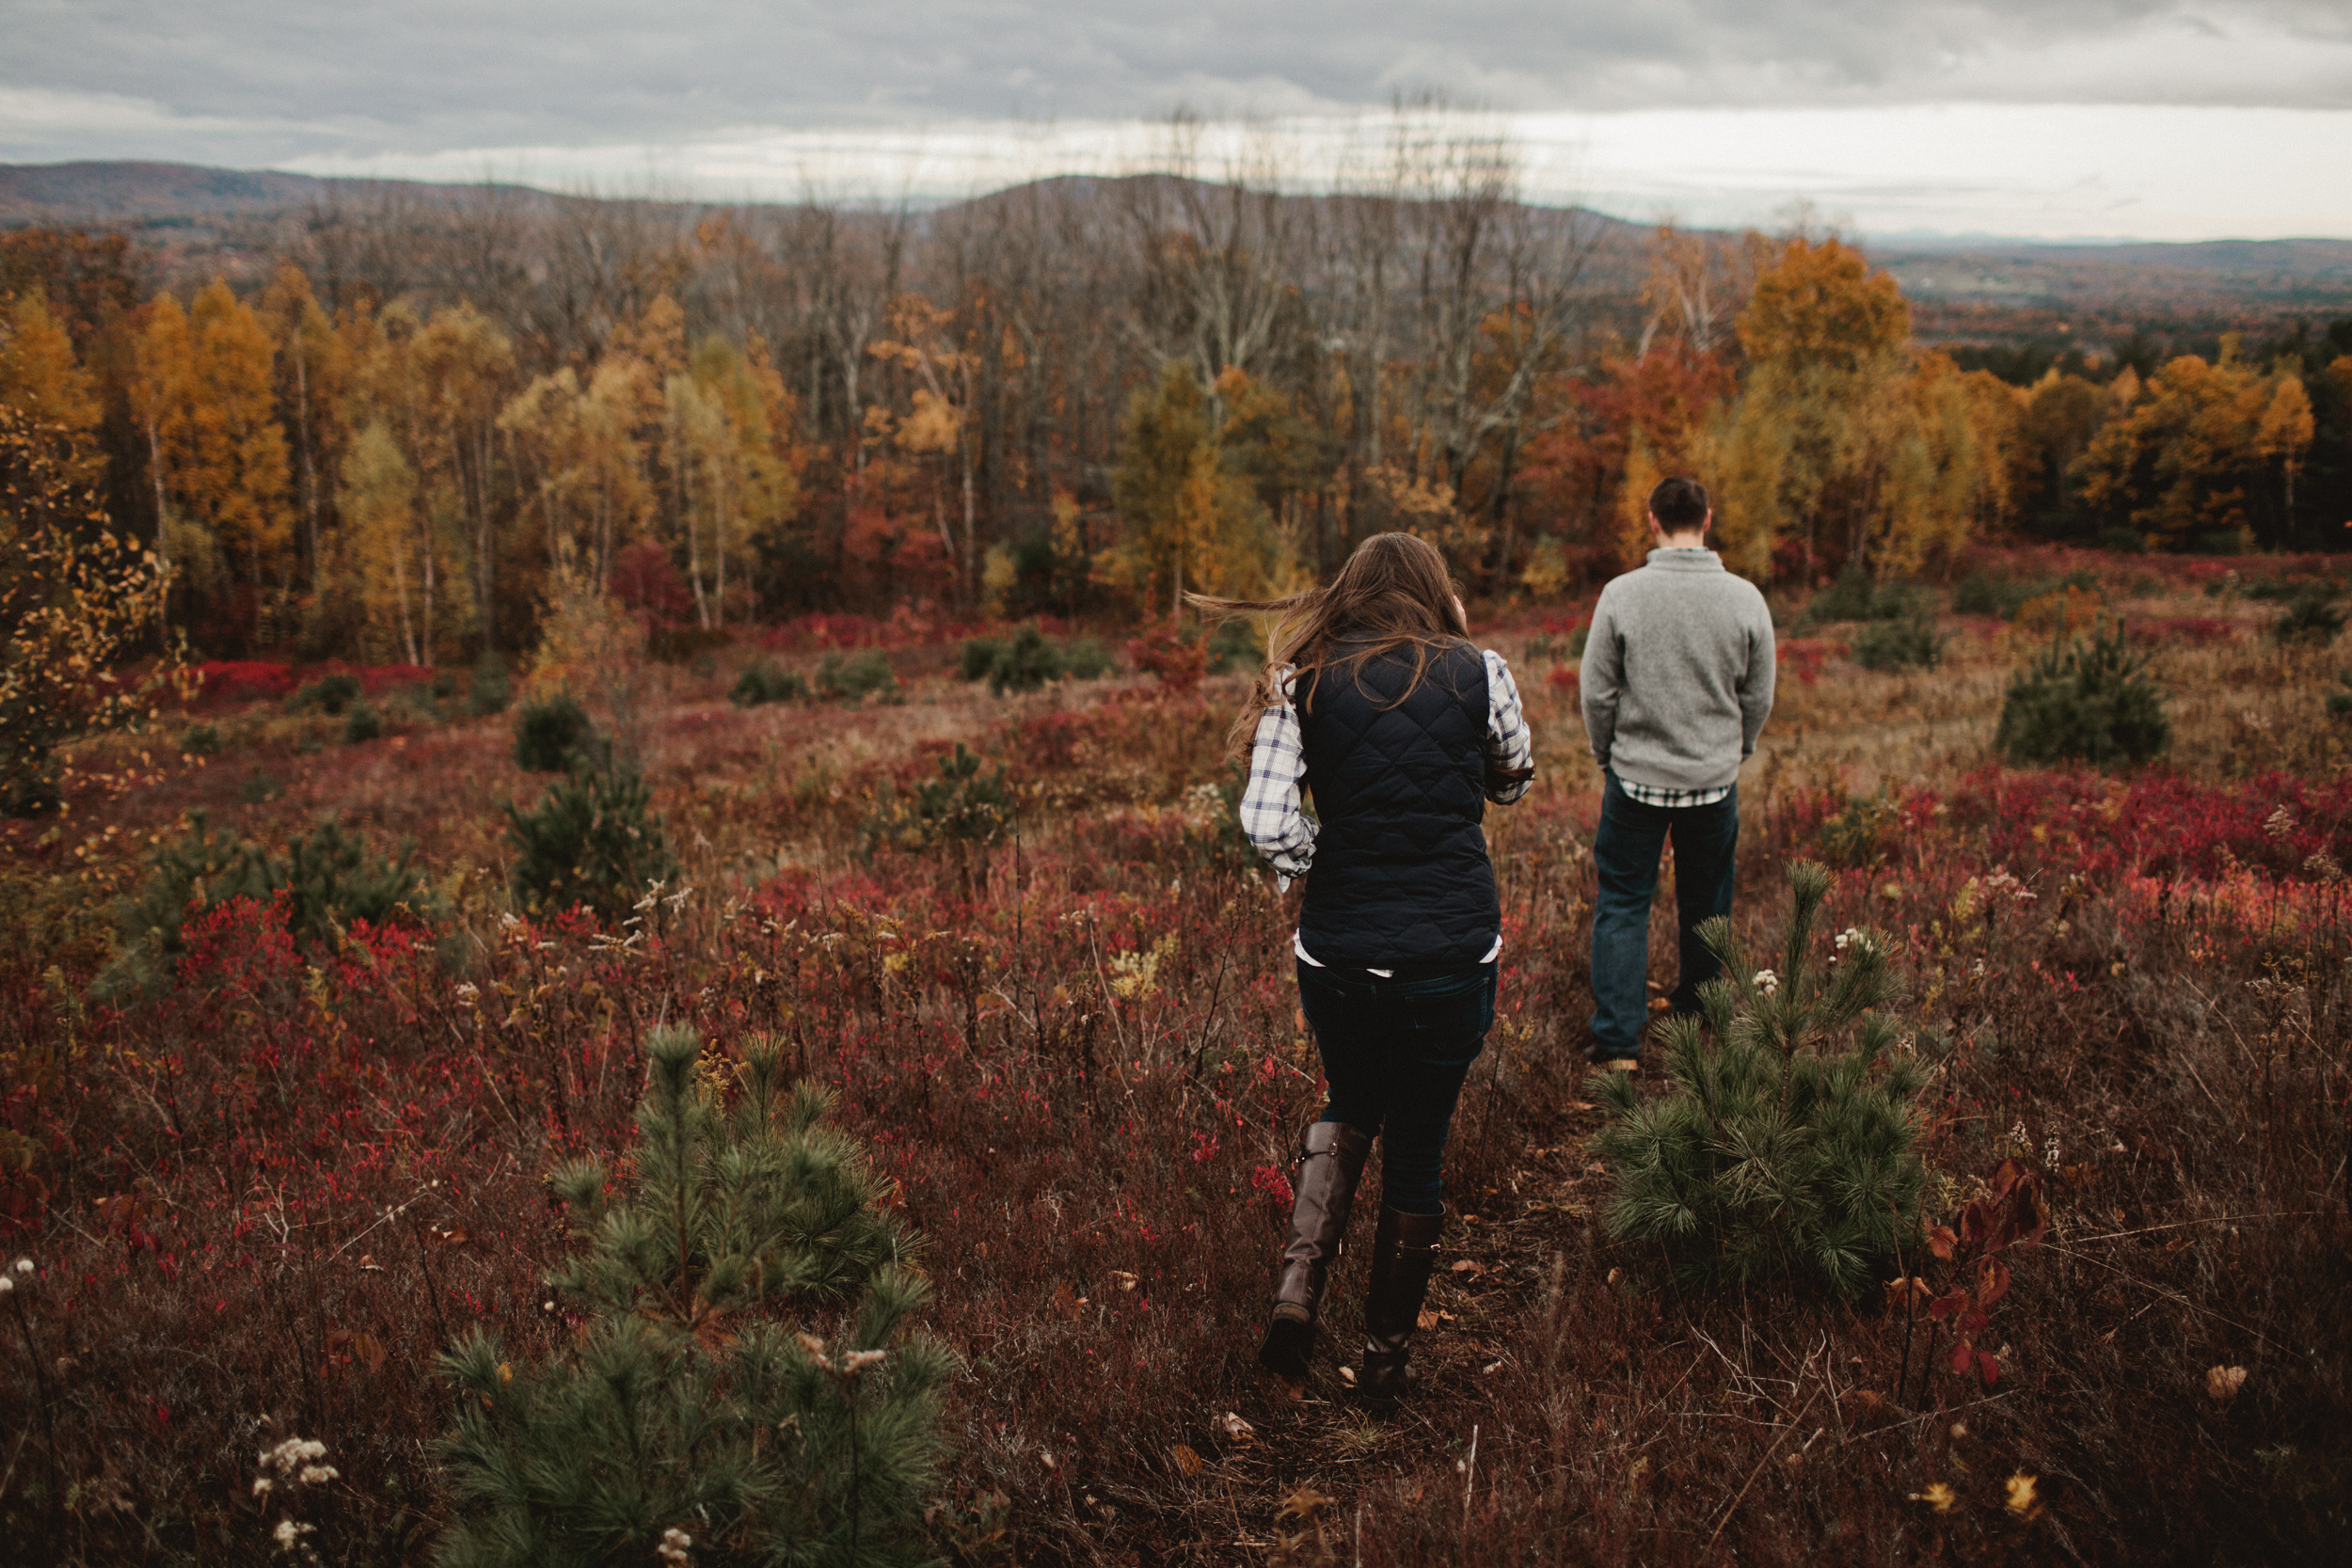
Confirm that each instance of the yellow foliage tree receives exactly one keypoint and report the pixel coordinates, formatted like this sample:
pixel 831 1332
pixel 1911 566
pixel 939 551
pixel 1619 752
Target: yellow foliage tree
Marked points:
pixel 41 377
pixel 229 469
pixel 2197 457
pixel 1192 521
pixel 1844 439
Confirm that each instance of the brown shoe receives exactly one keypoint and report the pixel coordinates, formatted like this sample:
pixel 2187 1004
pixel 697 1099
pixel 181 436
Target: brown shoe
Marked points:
pixel 1330 1162
pixel 1403 1251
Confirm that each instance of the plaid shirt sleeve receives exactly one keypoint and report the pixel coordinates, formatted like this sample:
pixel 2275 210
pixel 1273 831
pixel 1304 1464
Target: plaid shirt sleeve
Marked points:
pixel 1270 813
pixel 1506 726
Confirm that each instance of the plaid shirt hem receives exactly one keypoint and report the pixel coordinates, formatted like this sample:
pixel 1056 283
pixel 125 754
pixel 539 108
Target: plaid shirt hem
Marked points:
pixel 1271 814
pixel 1651 795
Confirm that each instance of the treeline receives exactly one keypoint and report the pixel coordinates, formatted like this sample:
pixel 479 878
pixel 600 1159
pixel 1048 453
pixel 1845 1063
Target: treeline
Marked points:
pixel 1077 397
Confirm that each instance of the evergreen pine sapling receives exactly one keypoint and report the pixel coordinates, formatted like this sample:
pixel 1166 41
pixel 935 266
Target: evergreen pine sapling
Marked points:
pixel 2089 701
pixel 592 840
pixel 741 1386
pixel 1787 1145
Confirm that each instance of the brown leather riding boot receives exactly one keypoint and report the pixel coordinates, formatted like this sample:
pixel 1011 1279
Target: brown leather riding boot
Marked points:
pixel 1330 1162
pixel 1403 1250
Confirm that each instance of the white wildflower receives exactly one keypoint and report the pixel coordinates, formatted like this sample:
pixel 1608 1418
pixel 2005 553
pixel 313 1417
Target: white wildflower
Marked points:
pixel 288 1533
pixel 261 1485
pixel 314 1475
pixel 2051 1153
pixel 1767 982
pixel 294 1452
pixel 24 1265
pixel 2278 824
pixel 675 1542
pixel 7 1284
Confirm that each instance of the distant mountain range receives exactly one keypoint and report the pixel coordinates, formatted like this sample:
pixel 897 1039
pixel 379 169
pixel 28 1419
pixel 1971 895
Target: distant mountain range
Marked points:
pixel 1964 276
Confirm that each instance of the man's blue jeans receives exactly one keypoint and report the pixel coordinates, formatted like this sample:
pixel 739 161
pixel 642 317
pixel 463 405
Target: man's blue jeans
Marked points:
pixel 1395 1052
pixel 1626 852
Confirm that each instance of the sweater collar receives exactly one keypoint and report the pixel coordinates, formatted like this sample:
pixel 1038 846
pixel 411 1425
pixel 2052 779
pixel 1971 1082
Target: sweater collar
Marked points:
pixel 1694 560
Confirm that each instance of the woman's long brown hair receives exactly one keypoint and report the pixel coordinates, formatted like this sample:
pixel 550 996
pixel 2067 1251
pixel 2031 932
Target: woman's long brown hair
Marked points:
pixel 1393 594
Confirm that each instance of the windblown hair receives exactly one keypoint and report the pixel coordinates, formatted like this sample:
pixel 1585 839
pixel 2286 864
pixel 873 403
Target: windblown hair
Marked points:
pixel 1393 594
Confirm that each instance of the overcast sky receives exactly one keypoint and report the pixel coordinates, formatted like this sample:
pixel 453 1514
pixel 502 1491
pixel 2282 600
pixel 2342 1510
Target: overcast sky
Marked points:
pixel 2163 119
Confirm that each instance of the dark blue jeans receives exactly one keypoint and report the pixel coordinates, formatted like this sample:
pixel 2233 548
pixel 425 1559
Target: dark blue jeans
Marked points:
pixel 1395 1052
pixel 1625 852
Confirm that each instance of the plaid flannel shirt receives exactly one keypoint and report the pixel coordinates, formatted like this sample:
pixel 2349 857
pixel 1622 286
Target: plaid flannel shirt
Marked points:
pixel 1270 811
pixel 1653 795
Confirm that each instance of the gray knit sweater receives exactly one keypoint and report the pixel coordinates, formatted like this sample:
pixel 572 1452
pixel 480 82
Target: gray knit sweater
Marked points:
pixel 1678 672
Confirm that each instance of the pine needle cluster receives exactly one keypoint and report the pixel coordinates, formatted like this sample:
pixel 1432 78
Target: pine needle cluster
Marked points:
pixel 691 1414
pixel 1787 1144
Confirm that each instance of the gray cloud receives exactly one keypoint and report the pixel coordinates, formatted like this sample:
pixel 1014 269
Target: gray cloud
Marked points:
pixel 262 81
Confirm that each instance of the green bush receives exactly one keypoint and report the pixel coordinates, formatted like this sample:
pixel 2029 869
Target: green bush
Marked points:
pixel 329 694
pixel 2310 616
pixel 1980 595
pixel 961 806
pixel 551 734
pixel 592 840
pixel 327 876
pixel 1854 598
pixel 1856 836
pixel 490 691
pixel 2083 700
pixel 764 681
pixel 361 722
pixel 200 740
pixel 742 1388
pixel 858 677
pixel 1028 659
pixel 1789 1145
pixel 1236 646
pixel 2122 541
pixel 1910 643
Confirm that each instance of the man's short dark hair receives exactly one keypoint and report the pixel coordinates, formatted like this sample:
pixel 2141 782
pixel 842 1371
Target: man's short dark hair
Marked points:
pixel 1678 504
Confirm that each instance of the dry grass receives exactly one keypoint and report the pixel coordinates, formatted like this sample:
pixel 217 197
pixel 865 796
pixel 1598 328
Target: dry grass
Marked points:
pixel 260 1209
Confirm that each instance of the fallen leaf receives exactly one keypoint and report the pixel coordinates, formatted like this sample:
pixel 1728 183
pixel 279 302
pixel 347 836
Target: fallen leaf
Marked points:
pixel 1869 1399
pixel 1937 1496
pixel 1430 1318
pixel 1186 1461
pixel 2021 1500
pixel 1304 1504
pixel 1466 1265
pixel 1238 1432
pixel 456 1235
pixel 1347 1375
pixel 2222 1383
pixel 1614 1276
pixel 1125 1281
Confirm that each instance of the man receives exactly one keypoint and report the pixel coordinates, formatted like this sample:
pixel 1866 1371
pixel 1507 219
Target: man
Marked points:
pixel 1678 680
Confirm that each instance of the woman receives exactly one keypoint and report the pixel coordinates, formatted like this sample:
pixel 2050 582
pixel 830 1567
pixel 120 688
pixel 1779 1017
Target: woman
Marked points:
pixel 1375 698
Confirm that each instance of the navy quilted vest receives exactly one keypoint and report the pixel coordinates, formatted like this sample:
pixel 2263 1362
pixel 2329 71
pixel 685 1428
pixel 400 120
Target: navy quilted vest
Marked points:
pixel 1399 879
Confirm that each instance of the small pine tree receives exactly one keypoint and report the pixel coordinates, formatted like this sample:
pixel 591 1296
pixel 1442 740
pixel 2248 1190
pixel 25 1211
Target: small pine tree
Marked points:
pixel 361 722
pixel 490 691
pixel 592 840
pixel 2310 616
pixel 1909 643
pixel 1780 1150
pixel 858 677
pixel 2087 700
pixel 962 807
pixel 331 694
pixel 329 877
pixel 765 682
pixel 690 1414
pixel 553 734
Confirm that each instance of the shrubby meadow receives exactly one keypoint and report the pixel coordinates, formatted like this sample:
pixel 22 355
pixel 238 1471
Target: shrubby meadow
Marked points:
pixel 289 1121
